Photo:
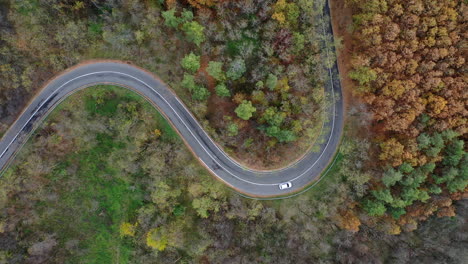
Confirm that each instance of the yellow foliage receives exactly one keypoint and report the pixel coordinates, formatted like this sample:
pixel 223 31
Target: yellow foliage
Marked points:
pixel 285 13
pixel 283 85
pixel 239 97
pixel 304 100
pixel 127 229
pixel 392 150
pixel 280 5
pixel 171 4
pixel 202 3
pixel 156 240
pixel 297 126
pixel 157 132
pixel 394 89
pixel 349 221
pixel 279 17
pixel 436 104
pixel 78 5
pixel 392 228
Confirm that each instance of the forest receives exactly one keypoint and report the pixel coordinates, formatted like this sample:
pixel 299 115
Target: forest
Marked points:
pixel 250 72
pixel 83 191
pixel 407 67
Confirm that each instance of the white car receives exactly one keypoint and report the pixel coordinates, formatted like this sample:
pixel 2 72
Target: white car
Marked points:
pixel 285 185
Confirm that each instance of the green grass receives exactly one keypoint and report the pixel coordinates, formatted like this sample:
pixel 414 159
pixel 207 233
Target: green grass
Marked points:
pixel 98 202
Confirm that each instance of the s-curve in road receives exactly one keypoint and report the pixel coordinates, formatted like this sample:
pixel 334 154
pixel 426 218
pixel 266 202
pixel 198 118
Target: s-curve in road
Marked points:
pixel 247 181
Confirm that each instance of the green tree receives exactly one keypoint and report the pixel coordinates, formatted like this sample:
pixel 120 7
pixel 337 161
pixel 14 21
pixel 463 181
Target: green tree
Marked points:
pixel 170 19
pixel 449 134
pixel 391 177
pixel 232 129
pixel 299 41
pixel 236 69
pixel 383 195
pixel 204 204
pixel 164 196
pixel 458 184
pixel 428 167
pixel 186 16
pixel 179 210
pixel 259 85
pixel 409 195
pixel 435 189
pixel 189 82
pixel 424 141
pixel 222 90
pixel 273 117
pixel 454 153
pixel 374 208
pixel 156 239
pixel 433 152
pixel 194 32
pixel 406 168
pixel 286 136
pixel 398 203
pixel 397 212
pixel 437 140
pixel 215 69
pixel 245 110
pixel 363 75
pixel 191 62
pixel 271 81
pixel 200 93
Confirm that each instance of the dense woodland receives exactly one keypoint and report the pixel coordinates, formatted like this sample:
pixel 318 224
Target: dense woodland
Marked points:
pixel 408 66
pixel 83 191
pixel 251 71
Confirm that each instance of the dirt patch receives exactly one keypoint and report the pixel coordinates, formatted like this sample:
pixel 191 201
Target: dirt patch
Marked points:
pixel 342 21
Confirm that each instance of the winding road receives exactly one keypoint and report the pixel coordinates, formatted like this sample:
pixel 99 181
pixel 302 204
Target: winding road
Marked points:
pixel 247 181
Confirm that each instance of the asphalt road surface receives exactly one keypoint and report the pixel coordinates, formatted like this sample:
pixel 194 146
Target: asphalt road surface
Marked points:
pixel 247 181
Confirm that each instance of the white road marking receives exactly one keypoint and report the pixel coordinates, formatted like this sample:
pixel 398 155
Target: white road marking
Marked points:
pixel 205 133
pixel 176 113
